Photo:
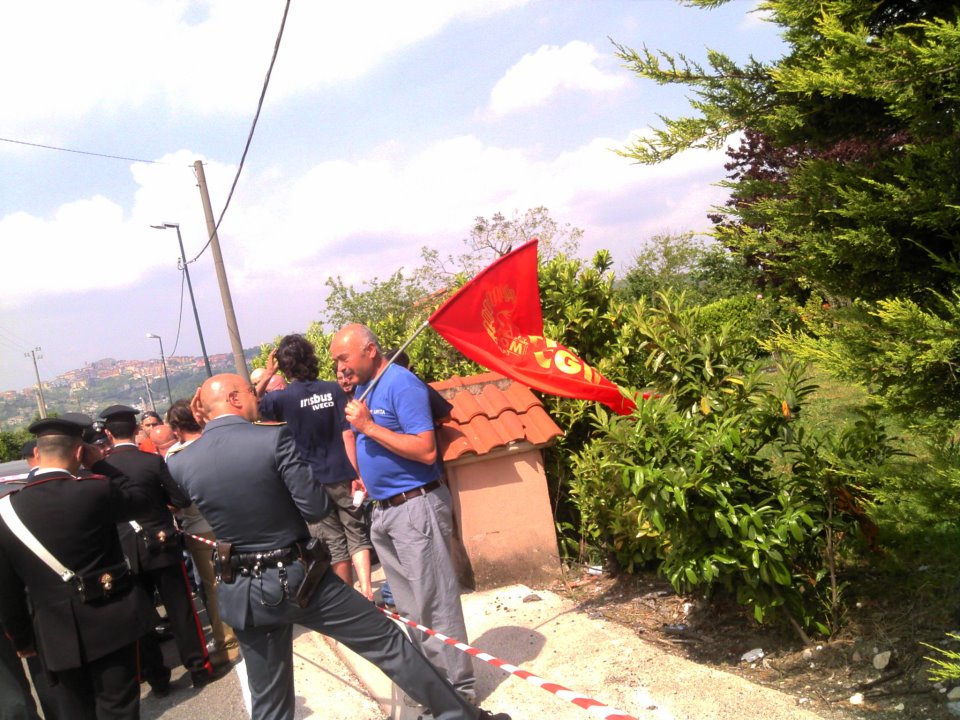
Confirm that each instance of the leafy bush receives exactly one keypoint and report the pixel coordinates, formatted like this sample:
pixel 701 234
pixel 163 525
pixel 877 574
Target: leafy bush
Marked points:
pixel 10 443
pixel 715 479
pixel 753 319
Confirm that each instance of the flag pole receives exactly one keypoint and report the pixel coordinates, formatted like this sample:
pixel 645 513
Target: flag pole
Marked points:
pixel 403 347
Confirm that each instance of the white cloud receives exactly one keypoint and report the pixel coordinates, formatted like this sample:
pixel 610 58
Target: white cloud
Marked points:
pixel 367 217
pixel 58 254
pixel 93 243
pixel 758 17
pixel 542 74
pixel 205 58
pixel 358 218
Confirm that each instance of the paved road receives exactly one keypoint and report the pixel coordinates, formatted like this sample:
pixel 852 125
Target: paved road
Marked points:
pixel 538 631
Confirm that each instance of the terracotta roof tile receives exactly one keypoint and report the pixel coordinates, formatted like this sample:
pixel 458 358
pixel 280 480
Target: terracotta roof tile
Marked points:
pixel 490 412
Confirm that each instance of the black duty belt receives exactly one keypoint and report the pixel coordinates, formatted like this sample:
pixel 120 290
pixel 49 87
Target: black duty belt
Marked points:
pixel 401 498
pixel 255 560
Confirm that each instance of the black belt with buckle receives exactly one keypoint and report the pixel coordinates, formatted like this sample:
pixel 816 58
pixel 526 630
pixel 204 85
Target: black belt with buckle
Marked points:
pixel 255 560
pixel 401 498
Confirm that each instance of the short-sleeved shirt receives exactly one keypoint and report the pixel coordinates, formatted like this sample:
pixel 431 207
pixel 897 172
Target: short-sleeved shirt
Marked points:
pixel 398 402
pixel 315 414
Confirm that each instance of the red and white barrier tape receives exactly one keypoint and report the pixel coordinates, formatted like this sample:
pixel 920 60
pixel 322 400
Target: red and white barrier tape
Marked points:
pixel 592 706
pixel 211 543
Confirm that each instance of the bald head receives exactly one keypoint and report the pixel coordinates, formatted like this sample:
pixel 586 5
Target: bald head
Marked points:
pixel 162 437
pixel 228 394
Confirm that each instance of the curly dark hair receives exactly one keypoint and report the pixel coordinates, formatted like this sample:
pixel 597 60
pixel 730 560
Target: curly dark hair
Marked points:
pixel 180 417
pixel 297 359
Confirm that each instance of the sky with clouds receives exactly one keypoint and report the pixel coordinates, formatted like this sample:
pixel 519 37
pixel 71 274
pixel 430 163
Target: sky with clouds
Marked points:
pixel 387 127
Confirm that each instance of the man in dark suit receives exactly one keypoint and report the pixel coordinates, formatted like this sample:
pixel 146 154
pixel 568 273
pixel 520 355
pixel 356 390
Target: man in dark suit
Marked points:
pixel 84 625
pixel 152 544
pixel 257 494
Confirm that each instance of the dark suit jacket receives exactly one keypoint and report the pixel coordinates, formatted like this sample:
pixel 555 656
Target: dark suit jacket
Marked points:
pixel 75 519
pixel 255 490
pixel 149 473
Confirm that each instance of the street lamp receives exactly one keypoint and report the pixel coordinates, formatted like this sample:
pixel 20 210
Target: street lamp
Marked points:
pixel 163 361
pixel 193 302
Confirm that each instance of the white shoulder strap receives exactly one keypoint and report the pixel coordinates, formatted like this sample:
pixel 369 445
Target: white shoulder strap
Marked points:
pixel 10 516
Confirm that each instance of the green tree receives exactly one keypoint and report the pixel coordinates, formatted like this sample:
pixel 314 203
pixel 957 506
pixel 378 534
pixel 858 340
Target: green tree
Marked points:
pixel 703 271
pixel 495 237
pixel 865 103
pixel 844 187
pixel 10 443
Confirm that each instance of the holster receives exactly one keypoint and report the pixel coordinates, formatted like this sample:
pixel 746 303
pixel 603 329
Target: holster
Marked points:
pixel 104 583
pixel 315 556
pixel 221 562
pixel 156 542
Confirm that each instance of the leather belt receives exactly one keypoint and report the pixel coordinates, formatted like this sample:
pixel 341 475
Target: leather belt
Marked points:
pixel 265 558
pixel 401 498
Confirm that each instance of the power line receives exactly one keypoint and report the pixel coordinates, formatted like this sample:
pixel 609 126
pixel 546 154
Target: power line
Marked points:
pixel 17 347
pixel 14 335
pixel 80 152
pixel 253 126
pixel 176 341
pixel 13 340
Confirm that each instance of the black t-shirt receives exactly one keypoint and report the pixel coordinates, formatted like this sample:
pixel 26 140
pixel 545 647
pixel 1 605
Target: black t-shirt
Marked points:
pixel 315 413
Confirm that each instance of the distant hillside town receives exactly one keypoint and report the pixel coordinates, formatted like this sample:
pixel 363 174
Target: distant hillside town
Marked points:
pixel 140 383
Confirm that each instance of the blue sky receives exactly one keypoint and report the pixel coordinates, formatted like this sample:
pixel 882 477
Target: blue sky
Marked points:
pixel 387 127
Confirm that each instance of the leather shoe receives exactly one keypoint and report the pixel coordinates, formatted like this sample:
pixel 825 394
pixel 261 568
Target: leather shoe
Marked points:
pixel 487 715
pixel 160 689
pixel 200 678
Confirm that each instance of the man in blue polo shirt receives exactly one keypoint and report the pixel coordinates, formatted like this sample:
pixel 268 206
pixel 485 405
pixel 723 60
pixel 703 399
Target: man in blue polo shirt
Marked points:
pixel 411 524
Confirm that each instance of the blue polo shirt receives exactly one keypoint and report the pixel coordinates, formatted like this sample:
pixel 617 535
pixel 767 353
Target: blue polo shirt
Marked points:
pixel 399 402
pixel 315 414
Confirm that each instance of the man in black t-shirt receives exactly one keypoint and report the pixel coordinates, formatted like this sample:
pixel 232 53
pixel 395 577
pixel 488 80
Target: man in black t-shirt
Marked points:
pixel 314 411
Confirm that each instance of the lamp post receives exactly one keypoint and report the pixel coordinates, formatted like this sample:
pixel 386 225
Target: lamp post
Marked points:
pixel 163 361
pixel 193 302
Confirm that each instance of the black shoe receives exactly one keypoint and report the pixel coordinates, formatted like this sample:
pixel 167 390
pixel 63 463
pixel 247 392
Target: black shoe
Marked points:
pixel 200 678
pixel 160 689
pixel 487 715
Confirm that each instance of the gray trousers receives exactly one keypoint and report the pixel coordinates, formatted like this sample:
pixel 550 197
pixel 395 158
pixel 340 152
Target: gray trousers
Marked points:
pixel 346 616
pixel 413 543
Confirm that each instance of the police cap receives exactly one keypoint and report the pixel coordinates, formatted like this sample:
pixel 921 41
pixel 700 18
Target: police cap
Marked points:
pixel 95 434
pixel 71 424
pixel 120 412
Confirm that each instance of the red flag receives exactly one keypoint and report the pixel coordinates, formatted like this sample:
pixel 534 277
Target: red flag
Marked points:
pixel 496 320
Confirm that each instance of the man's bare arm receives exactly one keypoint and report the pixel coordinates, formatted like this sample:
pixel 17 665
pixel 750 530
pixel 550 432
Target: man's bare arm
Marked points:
pixel 421 447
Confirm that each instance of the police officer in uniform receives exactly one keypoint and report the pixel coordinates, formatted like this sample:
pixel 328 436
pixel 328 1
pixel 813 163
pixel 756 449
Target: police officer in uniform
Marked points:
pixel 16 701
pixel 153 546
pixel 84 627
pixel 257 493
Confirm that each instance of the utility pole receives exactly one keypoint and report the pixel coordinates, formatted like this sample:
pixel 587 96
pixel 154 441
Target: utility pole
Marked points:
pixel 232 329
pixel 41 404
pixel 146 383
